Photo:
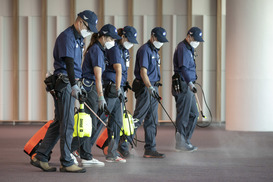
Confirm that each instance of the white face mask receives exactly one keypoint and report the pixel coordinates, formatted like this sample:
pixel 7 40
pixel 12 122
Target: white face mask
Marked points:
pixel 194 44
pixel 127 45
pixel 157 44
pixel 109 45
pixel 85 33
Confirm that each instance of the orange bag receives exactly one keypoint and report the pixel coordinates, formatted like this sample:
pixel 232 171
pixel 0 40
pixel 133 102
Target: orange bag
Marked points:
pixel 33 143
pixel 102 140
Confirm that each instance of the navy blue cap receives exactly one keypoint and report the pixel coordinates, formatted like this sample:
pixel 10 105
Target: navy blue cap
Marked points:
pixel 91 18
pixel 109 30
pixel 131 34
pixel 196 33
pixel 160 33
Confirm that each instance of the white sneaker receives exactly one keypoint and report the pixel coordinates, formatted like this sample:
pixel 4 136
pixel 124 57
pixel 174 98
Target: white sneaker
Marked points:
pixel 117 159
pixel 92 162
pixel 74 159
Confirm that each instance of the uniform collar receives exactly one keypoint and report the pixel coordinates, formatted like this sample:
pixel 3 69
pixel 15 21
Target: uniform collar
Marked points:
pixel 151 45
pixel 187 44
pixel 189 47
pixel 100 46
pixel 121 46
pixel 76 33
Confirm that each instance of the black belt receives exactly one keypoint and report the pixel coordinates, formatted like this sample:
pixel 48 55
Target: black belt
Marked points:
pixel 182 79
pixel 157 84
pixel 65 78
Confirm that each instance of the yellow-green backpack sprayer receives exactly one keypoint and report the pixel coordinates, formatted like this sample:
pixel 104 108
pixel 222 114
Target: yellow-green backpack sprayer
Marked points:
pixel 83 121
pixel 128 126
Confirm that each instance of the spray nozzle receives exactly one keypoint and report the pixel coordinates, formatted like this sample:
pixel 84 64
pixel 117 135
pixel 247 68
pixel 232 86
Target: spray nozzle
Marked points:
pixel 157 97
pixel 203 115
pixel 107 112
pixel 83 96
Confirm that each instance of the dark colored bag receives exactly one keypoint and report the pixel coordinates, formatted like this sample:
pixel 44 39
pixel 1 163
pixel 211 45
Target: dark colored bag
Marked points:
pixel 50 82
pixel 138 87
pixel 61 82
pixel 178 84
pixel 110 90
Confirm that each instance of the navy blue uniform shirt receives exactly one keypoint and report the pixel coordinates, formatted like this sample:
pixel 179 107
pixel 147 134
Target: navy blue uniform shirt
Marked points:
pixel 148 57
pixel 114 56
pixel 95 56
pixel 68 44
pixel 183 61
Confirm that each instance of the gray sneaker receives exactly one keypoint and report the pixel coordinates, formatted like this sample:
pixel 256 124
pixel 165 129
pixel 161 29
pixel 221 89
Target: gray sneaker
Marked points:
pixel 117 160
pixel 191 146
pixel 182 145
pixel 186 148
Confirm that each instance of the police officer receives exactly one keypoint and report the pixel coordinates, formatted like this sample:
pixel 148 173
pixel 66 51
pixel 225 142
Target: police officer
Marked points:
pixel 93 67
pixel 67 64
pixel 184 90
pixel 145 86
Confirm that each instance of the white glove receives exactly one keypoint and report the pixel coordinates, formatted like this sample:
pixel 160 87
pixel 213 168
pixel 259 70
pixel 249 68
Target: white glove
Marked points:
pixel 76 91
pixel 102 103
pixel 192 87
pixel 153 92
pixel 119 94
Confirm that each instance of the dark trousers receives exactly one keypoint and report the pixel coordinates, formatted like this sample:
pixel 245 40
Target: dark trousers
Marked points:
pixel 114 123
pixel 187 112
pixel 145 110
pixel 85 144
pixel 61 128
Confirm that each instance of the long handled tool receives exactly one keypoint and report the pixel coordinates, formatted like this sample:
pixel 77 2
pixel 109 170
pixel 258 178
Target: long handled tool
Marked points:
pixel 108 113
pixel 95 114
pixel 199 106
pixel 201 110
pixel 111 142
pixel 158 98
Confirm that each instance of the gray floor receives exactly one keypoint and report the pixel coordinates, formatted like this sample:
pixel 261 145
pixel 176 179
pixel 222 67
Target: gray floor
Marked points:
pixel 222 156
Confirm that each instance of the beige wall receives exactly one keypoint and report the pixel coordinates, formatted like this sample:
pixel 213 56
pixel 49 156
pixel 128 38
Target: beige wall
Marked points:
pixel 145 17
pixel 249 76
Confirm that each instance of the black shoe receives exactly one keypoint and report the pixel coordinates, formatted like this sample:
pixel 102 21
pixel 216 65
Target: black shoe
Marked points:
pixel 42 165
pixel 153 154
